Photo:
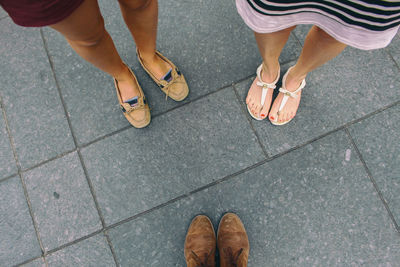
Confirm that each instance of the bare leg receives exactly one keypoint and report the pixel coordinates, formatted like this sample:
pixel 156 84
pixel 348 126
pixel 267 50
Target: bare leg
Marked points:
pixel 319 48
pixel 270 46
pixel 85 32
pixel 141 17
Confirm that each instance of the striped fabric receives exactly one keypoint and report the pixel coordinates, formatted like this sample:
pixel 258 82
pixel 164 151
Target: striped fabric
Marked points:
pixel 368 14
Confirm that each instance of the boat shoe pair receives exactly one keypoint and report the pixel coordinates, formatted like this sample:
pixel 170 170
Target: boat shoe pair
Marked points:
pixel 173 84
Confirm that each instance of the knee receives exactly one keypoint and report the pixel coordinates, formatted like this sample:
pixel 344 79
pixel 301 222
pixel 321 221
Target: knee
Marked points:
pixel 135 4
pixel 94 36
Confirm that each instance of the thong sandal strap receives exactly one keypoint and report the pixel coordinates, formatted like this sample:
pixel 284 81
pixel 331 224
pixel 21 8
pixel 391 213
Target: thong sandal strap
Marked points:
pixel 265 86
pixel 287 93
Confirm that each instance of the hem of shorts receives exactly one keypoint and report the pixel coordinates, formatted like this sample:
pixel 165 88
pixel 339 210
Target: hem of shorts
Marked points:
pixel 50 21
pixel 257 29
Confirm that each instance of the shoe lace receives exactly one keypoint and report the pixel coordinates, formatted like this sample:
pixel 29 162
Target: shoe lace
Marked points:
pixel 198 260
pixel 230 257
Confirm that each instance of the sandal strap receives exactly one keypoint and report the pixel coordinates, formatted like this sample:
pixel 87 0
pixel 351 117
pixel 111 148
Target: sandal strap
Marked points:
pixel 265 86
pixel 288 93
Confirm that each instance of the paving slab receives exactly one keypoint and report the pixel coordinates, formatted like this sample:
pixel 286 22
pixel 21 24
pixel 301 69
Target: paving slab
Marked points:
pixel 18 242
pixel 351 86
pixel 7 163
pixel 3 13
pixel 394 49
pixel 61 201
pixel 36 117
pixel 93 251
pixel 214 49
pixel 311 207
pixel 36 263
pixel 180 151
pixel 377 138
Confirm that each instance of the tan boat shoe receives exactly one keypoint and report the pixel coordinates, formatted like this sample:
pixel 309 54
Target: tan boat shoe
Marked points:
pixel 176 88
pixel 136 111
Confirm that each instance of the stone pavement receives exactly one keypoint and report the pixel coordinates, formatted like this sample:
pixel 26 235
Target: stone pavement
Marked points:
pixel 80 187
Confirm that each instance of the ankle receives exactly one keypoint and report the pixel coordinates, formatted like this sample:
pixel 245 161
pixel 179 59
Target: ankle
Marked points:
pixel 148 57
pixel 269 73
pixel 124 74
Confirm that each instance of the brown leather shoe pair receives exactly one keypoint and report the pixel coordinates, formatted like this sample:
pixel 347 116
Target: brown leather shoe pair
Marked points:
pixel 232 242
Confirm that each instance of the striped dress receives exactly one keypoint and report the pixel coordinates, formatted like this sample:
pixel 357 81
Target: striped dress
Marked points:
pixel 364 24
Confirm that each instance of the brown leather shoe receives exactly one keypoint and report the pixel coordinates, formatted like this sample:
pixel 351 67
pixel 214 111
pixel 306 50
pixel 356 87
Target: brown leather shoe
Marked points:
pixel 233 243
pixel 200 243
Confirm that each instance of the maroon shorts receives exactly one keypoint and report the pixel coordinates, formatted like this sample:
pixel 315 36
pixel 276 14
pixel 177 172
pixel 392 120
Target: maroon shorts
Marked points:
pixel 37 13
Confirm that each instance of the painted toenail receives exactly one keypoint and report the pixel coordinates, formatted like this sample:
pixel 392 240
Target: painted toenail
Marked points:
pixel 262 115
pixel 272 118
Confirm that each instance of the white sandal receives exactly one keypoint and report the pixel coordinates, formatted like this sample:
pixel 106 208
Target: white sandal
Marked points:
pixel 265 86
pixel 286 95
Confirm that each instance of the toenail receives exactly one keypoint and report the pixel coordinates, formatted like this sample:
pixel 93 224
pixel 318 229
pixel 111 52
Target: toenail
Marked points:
pixel 262 115
pixel 272 118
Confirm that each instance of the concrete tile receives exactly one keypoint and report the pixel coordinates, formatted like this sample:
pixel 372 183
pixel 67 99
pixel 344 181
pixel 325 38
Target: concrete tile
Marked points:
pixel 16 227
pixel 377 138
pixel 3 13
pixel 320 210
pixel 90 95
pixel 199 49
pixel 180 151
pixel 36 263
pixel 89 252
pixel 351 86
pixel 32 103
pixel 61 201
pixel 394 48
pixel 7 162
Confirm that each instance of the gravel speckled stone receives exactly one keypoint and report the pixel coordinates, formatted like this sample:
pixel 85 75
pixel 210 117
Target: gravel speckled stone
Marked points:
pixel 34 111
pixel 310 207
pixel 93 252
pixel 213 49
pixel 61 201
pixel 378 141
pixel 7 162
pixel 16 227
pixel 36 263
pixel 349 87
pixel 180 151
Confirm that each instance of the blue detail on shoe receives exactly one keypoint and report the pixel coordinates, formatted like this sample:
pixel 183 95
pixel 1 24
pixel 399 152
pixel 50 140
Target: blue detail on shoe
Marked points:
pixel 177 71
pixel 123 109
pixel 168 76
pixel 132 102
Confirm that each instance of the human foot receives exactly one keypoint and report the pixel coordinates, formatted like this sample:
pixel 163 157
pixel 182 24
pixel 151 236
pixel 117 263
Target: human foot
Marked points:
pixel 127 85
pixel 135 109
pixel 167 76
pixel 259 97
pixel 156 65
pixel 287 102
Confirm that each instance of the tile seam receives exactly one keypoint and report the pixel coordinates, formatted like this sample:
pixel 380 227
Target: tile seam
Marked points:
pixel 89 182
pixel 372 179
pixel 245 113
pixel 392 58
pixel 200 189
pixel 27 200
